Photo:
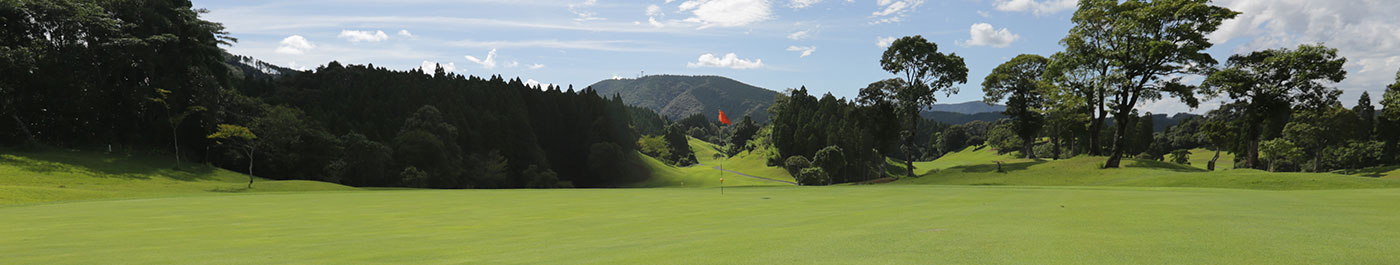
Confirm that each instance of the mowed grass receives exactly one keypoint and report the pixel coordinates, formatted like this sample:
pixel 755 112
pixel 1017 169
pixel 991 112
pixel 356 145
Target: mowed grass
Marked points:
pixel 875 224
pixel 1086 171
pixel 1200 157
pixel 36 177
pixel 705 175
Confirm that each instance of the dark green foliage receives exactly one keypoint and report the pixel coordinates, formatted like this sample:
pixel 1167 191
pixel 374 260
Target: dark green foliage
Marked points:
pixel 365 162
pixel 677 97
pixel 830 159
pixel 1018 81
pixel 647 122
pixel 679 145
pixel 803 125
pixel 1003 137
pixel 1270 84
pixel 795 164
pixel 1181 156
pixel 743 132
pixel 1367 115
pixel 813 176
pixel 923 72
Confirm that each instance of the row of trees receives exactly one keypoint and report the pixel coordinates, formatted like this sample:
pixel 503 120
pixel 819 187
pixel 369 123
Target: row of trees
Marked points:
pixel 150 76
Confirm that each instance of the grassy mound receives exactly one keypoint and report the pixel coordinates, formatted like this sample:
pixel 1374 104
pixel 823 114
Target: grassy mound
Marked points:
pixel 32 177
pixel 705 175
pixel 1085 171
pixel 1200 157
pixel 752 225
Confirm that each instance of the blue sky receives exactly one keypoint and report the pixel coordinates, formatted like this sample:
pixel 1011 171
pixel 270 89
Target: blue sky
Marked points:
pixel 826 45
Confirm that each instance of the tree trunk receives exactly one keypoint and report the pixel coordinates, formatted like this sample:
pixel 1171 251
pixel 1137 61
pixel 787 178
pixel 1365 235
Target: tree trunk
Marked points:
pixel 175 135
pixel 1120 139
pixel 29 135
pixel 1210 166
pixel 1252 154
pixel 250 167
pixel 1056 153
pixel 909 144
pixel 1028 146
pixel 1095 126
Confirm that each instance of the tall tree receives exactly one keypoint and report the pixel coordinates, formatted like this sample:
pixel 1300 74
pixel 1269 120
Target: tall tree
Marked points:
pixel 239 137
pixel 1389 122
pixel 924 71
pixel 1019 82
pixel 1271 83
pixel 1147 45
pixel 1367 113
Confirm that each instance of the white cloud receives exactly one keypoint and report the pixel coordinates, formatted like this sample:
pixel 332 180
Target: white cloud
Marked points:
pixel 488 63
pixel 984 34
pixel 803 3
pixel 806 50
pixel 1041 7
pixel 512 64
pixel 654 10
pixel 535 66
pixel 358 36
pixel 727 13
pixel 884 42
pixel 654 23
pixel 405 33
pixel 1364 31
pixel 429 67
pixel 984 14
pixel 799 35
pixel 533 83
pixel 599 45
pixel 582 13
pixel 893 10
pixel 728 61
pixel 295 44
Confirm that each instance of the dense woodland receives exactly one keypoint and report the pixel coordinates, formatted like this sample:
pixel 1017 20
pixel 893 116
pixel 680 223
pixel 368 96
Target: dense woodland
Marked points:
pixel 150 77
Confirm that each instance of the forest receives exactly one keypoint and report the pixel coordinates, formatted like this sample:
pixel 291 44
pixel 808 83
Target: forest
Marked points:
pixel 151 77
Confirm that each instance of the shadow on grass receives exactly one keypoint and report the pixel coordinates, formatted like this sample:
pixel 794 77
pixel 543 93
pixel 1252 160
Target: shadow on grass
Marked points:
pixel 1375 172
pixel 1153 164
pixel 1005 167
pixel 230 190
pixel 102 165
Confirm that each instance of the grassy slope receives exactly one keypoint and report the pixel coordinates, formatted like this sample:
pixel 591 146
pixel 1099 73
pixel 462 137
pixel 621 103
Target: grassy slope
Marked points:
pixel 1200 157
pixel 885 224
pixel 33 177
pixel 1084 171
pixel 752 163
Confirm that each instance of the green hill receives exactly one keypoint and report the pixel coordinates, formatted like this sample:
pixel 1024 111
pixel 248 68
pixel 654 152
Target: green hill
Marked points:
pixel 677 96
pixel 705 175
pixel 957 169
pixel 27 177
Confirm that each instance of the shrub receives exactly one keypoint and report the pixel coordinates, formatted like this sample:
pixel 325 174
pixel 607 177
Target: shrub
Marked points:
pixel 795 164
pixel 813 176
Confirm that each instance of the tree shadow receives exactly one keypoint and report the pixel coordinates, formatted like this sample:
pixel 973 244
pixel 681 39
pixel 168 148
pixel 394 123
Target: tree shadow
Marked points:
pixel 1153 164
pixel 1375 172
pixel 1005 167
pixel 102 165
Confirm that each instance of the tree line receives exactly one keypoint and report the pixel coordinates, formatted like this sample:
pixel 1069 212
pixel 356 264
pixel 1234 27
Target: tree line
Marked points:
pixel 1281 110
pixel 150 76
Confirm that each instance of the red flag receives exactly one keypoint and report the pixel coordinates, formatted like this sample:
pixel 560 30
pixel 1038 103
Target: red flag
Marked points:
pixel 723 119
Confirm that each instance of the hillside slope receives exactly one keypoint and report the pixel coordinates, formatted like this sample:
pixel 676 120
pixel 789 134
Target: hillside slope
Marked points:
pixel 64 176
pixel 1085 171
pixel 677 96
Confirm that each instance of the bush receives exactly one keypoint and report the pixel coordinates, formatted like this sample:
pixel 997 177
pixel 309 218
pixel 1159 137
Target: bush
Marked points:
pixel 1181 156
pixel 831 159
pixel 813 176
pixel 795 164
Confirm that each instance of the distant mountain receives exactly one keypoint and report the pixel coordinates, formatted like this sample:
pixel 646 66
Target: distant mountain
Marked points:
pixel 676 96
pixel 955 118
pixel 1160 122
pixel 250 68
pixel 970 107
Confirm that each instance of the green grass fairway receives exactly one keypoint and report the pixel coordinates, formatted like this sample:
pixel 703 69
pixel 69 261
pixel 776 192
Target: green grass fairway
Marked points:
pixel 34 177
pixel 881 224
pixel 752 163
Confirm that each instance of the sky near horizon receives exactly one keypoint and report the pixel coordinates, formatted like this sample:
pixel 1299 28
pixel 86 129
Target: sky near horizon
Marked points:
pixel 826 45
